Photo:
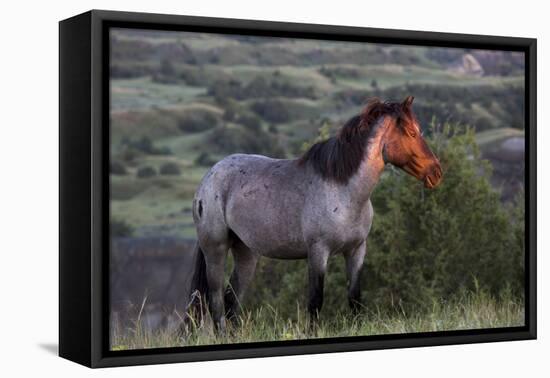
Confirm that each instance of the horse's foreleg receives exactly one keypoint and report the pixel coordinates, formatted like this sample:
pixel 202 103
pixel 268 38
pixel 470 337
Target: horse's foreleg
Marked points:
pixel 317 266
pixel 215 266
pixel 354 265
pixel 243 272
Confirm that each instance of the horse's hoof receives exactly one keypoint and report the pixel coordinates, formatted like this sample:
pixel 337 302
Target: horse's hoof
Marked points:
pixel 220 327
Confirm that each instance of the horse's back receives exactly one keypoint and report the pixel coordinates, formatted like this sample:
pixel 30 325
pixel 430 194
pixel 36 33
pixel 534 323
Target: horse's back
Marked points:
pixel 237 169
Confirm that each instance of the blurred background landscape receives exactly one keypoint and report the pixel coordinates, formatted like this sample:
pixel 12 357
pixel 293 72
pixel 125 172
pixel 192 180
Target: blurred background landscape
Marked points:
pixel 182 101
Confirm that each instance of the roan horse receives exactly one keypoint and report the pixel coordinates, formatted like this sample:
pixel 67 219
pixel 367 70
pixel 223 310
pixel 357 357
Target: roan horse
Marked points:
pixel 307 208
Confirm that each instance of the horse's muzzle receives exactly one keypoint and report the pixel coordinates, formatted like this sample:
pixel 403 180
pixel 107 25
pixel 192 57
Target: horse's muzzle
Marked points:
pixel 434 176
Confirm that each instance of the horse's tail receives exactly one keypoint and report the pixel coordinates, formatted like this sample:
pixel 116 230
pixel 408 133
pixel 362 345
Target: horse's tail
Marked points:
pixel 199 286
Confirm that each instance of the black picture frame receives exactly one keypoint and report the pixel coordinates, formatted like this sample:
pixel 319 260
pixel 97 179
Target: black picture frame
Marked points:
pixel 84 187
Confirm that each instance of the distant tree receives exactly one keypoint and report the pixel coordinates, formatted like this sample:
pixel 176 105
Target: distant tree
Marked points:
pixel 192 76
pixel 229 114
pixel 198 120
pixel 129 71
pixel 120 228
pixel 117 168
pixel 226 140
pixel 374 84
pixel 205 160
pixel 273 111
pixel 169 168
pixel 146 172
pixel 167 67
pixel 144 145
pixel 251 122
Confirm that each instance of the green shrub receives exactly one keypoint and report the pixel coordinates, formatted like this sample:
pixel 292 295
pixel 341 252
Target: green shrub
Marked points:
pixel 129 71
pixel 193 76
pixel 170 168
pixel 274 111
pixel 374 84
pixel 260 87
pixel 229 114
pixel 205 160
pixel 251 122
pixel 167 67
pixel 146 172
pixel 225 140
pixel 340 71
pixel 117 168
pixel 144 145
pixel 198 120
pixel 120 228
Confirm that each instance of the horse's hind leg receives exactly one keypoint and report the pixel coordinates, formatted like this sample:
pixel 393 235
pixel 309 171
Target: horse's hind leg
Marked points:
pixel 245 265
pixel 215 255
pixel 354 263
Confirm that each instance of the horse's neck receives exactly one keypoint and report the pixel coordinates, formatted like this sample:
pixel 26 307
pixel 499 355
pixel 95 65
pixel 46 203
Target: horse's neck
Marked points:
pixel 372 165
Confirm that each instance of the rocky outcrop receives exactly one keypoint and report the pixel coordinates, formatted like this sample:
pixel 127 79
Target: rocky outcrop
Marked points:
pixel 149 279
pixel 468 65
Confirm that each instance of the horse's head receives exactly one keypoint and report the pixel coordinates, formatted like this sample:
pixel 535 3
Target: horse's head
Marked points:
pixel 406 148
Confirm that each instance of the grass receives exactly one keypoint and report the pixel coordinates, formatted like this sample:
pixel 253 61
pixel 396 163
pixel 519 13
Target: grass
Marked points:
pixel 475 310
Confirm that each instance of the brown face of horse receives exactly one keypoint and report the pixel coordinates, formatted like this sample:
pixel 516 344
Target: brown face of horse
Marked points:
pixel 406 148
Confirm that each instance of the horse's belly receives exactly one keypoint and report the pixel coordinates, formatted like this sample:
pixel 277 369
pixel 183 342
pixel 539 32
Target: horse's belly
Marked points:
pixel 262 234
pixel 283 252
pixel 270 242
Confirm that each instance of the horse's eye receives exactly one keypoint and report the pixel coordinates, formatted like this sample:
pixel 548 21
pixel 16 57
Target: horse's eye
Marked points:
pixel 413 134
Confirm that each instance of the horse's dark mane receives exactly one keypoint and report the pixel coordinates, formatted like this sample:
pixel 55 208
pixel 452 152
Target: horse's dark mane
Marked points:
pixel 339 157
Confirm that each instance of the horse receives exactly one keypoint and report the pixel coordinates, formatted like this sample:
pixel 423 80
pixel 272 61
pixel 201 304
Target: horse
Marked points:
pixel 312 207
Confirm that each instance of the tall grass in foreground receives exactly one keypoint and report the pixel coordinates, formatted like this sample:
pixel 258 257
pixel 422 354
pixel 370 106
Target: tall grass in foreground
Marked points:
pixel 472 310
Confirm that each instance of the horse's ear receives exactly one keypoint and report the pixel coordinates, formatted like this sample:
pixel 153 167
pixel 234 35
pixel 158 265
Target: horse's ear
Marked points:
pixel 408 102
